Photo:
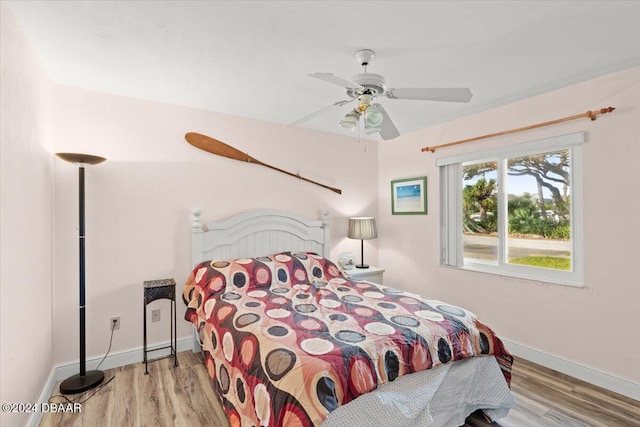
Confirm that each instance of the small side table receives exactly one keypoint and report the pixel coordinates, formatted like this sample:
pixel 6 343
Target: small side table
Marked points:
pixel 159 289
pixel 371 274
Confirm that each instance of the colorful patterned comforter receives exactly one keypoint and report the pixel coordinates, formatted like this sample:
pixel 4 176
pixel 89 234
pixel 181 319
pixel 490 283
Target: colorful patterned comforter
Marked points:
pixel 287 338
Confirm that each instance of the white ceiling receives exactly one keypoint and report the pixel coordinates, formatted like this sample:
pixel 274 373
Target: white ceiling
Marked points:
pixel 252 58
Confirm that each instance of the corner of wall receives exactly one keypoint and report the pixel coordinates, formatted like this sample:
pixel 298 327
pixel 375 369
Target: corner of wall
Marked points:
pixel 25 220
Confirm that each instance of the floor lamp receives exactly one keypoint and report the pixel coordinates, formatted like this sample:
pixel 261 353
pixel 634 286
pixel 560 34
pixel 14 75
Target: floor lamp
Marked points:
pixel 85 380
pixel 363 228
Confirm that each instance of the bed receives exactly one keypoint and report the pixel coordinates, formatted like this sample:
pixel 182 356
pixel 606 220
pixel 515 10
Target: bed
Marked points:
pixel 289 341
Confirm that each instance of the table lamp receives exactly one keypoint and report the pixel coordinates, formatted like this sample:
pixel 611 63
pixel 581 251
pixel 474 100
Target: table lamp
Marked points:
pixel 363 228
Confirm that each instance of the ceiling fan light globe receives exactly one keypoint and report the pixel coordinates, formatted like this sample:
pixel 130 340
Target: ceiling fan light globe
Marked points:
pixel 371 129
pixel 347 124
pixel 350 120
pixel 373 117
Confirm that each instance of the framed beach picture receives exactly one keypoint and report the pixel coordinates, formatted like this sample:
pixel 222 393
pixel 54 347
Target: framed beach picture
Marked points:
pixel 409 196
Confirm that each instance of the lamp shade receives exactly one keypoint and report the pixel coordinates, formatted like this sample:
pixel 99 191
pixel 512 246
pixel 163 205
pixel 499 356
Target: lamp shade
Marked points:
pixel 83 159
pixel 363 228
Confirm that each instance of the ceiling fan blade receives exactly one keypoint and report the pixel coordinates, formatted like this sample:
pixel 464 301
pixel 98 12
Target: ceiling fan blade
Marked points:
pixel 387 129
pixel 330 78
pixel 317 113
pixel 453 94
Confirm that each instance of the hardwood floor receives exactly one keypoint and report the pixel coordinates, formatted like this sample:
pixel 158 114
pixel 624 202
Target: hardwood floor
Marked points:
pixel 168 396
pixel 548 398
pixel 183 396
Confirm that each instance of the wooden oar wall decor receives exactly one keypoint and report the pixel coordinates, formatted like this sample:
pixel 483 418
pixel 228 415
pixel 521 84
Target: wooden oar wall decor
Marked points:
pixel 214 146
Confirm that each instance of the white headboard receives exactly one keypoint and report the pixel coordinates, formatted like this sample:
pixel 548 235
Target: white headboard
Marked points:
pixel 258 233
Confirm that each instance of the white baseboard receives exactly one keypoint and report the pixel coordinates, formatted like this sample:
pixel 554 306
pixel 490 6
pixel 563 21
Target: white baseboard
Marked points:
pixel 122 358
pixel 47 390
pixel 115 360
pixel 577 370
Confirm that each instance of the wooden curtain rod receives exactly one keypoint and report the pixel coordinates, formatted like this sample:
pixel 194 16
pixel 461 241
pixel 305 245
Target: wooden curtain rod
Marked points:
pixel 590 114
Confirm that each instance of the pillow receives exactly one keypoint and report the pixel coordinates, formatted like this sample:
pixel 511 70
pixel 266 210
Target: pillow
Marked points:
pixel 281 269
pixel 317 267
pixel 284 269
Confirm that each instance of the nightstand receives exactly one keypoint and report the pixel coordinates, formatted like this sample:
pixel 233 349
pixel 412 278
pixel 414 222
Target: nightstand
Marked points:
pixel 371 274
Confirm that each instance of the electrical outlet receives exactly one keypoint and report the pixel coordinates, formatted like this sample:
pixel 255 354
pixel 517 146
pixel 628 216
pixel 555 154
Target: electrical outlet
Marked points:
pixel 155 315
pixel 114 323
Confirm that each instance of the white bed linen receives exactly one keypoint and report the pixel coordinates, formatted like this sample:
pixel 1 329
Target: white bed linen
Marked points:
pixel 431 398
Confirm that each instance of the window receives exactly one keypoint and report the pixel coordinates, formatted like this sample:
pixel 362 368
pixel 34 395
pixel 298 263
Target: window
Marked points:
pixel 515 210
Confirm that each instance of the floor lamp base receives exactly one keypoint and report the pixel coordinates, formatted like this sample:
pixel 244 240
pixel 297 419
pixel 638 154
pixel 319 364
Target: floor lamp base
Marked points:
pixel 78 384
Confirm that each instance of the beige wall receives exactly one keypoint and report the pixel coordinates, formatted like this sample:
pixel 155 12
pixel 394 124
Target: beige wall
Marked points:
pixel 596 325
pixel 25 221
pixel 139 201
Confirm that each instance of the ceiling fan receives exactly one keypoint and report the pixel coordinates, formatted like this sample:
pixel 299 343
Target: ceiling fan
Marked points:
pixel 366 87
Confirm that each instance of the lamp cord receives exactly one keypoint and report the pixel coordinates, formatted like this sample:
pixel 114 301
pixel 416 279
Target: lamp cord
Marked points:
pixel 95 390
pixel 113 326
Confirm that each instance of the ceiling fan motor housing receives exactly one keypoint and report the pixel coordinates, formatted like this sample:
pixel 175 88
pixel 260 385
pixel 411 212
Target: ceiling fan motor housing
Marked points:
pixel 375 83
